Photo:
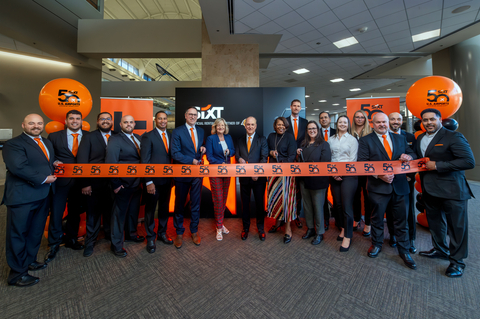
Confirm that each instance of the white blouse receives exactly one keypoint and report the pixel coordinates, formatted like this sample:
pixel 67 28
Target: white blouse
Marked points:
pixel 344 149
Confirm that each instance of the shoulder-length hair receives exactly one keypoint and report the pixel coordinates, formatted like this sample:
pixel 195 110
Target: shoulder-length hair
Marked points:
pixel 217 121
pixel 349 130
pixel 318 139
pixel 367 129
pixel 284 120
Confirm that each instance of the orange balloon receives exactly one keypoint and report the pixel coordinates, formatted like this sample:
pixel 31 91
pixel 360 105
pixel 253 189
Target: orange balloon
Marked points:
pixel 59 96
pixel 436 92
pixel 82 228
pixel 417 134
pixel 85 126
pixel 54 126
pixel 417 178
pixel 422 219
pixel 423 127
pixel 418 187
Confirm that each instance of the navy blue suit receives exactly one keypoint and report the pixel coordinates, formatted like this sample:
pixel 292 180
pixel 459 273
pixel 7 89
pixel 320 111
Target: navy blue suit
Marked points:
pixel 27 200
pixel 215 153
pixel 183 152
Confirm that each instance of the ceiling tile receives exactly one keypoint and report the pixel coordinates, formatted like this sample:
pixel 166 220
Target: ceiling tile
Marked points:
pixel 375 3
pixel 255 19
pixel 400 26
pixel 371 42
pixel 269 28
pixel 359 18
pixel 391 19
pixel 292 42
pixel 312 9
pixel 241 27
pixel 301 48
pixel 323 19
pixel 332 29
pixel 424 8
pixel 350 9
pixel 425 19
pixel 339 36
pixel 257 5
pixel 301 28
pixel 241 9
pixel 275 9
pixel 289 19
pixel 387 8
pixel 299 3
pixel 378 48
pixel 371 25
pixel 463 19
pixel 368 35
pixel 425 28
pixel 313 36
pixel 474 6
pixel 336 3
pixel 285 35
pixel 401 41
pixel 402 48
pixel 398 35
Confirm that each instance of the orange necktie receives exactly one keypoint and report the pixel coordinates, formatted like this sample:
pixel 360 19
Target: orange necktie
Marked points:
pixel 75 144
pixel 107 136
pixel 249 144
pixel 326 135
pixel 136 145
pixel 193 139
pixel 165 141
pixel 387 146
pixel 295 128
pixel 39 142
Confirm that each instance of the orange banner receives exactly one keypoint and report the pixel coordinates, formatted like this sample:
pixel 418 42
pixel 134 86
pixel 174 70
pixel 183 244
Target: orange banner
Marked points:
pixel 241 170
pixel 372 105
pixel 140 109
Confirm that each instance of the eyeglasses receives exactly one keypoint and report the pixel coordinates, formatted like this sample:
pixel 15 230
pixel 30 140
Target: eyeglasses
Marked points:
pixel 192 114
pixel 103 120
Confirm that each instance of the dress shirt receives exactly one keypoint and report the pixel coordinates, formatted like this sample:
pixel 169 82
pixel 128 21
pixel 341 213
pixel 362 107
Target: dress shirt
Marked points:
pixel 70 138
pixel 380 137
pixel 251 140
pixel 343 149
pixel 41 140
pixel 130 139
pixel 166 135
pixel 224 146
pixel 194 133
pixel 426 141
pixel 105 137
pixel 329 131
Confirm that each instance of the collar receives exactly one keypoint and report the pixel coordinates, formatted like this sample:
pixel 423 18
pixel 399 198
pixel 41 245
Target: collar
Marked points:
pixel 381 135
pixel 160 131
pixel 128 135
pixel 189 127
pixel 432 135
pixel 105 133
pixel 251 135
pixel 69 132
pixel 33 137
pixel 294 117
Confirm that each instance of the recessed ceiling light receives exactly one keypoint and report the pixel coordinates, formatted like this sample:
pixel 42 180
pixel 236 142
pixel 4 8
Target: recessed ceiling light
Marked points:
pixel 316 109
pixel 344 107
pixel 337 80
pixel 461 9
pixel 313 113
pixel 389 89
pixel 345 42
pixel 363 29
pixel 322 101
pixel 335 104
pixel 356 89
pixel 307 96
pixel 301 71
pixel 426 35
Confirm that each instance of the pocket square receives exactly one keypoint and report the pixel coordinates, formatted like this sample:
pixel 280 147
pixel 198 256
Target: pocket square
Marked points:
pixel 438 144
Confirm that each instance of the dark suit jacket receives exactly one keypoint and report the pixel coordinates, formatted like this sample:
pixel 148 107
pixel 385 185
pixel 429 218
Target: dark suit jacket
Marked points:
pixel 182 148
pixel 62 152
pixel 371 149
pixel 302 126
pixel 258 154
pixel 453 155
pixel 320 153
pixel 412 142
pixel 215 153
pixel 121 150
pixel 27 168
pixel 154 152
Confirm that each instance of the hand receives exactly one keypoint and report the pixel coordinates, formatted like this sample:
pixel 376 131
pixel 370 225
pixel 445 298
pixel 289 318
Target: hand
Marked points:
pixel 195 162
pixel 337 178
pixel 299 150
pixel 387 178
pixel 50 179
pixel 408 179
pixel 56 163
pixel 255 178
pixel 87 190
pixel 151 188
pixel 227 152
pixel 274 153
pixel 203 149
pixel 241 161
pixel 431 165
pixel 405 158
pixel 118 189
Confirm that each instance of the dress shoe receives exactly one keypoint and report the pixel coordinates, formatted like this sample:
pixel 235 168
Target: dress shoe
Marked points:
pixel 274 228
pixel 373 251
pixel 298 223
pixel 178 241
pixel 317 240
pixel 287 238
pixel 393 241
pixel 244 234
pixel 358 225
pixel 165 239
pixel 345 249
pixel 151 247
pixel 261 235
pixel 432 253
pixel 407 259
pixel 366 234
pixel 196 239
pixel 37 266
pixel 73 244
pixel 339 238
pixel 121 253
pixel 454 271
pixel 26 281
pixel 52 253
pixel 310 233
pixel 137 239
pixel 88 251
pixel 412 248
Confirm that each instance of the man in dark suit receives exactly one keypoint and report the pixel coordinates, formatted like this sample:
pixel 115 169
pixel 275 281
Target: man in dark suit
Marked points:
pixel 68 190
pixel 28 190
pixel 252 148
pixel 388 189
pixel 124 148
pixel 98 192
pixel 395 121
pixel 188 146
pixel 297 128
pixel 445 190
pixel 156 150
pixel 327 131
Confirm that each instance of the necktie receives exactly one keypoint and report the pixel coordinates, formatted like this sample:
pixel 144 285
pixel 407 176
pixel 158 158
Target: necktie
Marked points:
pixel 136 145
pixel 395 132
pixel 326 135
pixel 249 144
pixel 387 146
pixel 295 128
pixel 39 142
pixel 193 139
pixel 75 144
pixel 165 141
pixel 107 136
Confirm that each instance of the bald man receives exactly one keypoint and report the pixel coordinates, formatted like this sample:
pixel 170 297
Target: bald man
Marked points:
pixel 28 189
pixel 124 148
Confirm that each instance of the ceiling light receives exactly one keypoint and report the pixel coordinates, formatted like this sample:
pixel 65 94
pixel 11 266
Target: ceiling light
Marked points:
pixel 345 42
pixel 313 114
pixel 337 80
pixel 344 107
pixel 316 109
pixel 34 59
pixel 335 104
pixel 356 89
pixel 307 96
pixel 461 9
pixel 426 35
pixel 322 101
pixel 389 89
pixel 301 71
pixel 363 29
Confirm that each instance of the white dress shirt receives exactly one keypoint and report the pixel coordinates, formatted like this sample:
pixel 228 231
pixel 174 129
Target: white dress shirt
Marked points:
pixel 326 129
pixel 343 149
pixel 194 133
pixel 251 140
pixel 70 138
pixel 426 141
pixel 105 137
pixel 380 137
pixel 166 135
pixel 130 139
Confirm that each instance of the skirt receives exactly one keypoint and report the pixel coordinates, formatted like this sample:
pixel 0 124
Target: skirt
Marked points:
pixel 282 201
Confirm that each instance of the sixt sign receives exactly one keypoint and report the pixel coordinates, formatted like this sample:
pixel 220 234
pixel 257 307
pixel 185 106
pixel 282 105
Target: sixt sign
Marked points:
pixel 209 112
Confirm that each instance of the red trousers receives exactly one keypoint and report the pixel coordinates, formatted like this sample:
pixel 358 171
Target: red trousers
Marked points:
pixel 219 187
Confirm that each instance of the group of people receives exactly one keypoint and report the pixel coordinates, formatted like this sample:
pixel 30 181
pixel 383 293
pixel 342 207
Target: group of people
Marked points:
pixel 32 190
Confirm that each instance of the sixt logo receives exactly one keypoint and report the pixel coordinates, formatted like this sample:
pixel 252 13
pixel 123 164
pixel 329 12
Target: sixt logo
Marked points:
pixel 277 169
pixel 186 170
pixel 77 170
pixel 150 169
pixel 371 109
pixel 439 99
pixel 209 112
pixel 68 98
pixel 350 168
pixel 312 168
pixel 332 168
pixel 405 166
pixel 222 170
pixel 204 170
pixel 369 168
pixel 167 170
pixel 241 170
pixel 59 170
pixel 95 170
pixel 295 169
pixel 422 164
pixel 258 169
pixel 131 170
pixel 387 168
pixel 113 170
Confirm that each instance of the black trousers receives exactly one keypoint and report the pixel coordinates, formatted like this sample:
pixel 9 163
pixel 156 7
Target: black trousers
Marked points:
pixel 98 204
pixel 72 193
pixel 126 206
pixel 162 197
pixel 448 217
pixel 25 226
pixel 258 189
pixel 379 204
pixel 343 194
pixel 411 218
pixel 357 202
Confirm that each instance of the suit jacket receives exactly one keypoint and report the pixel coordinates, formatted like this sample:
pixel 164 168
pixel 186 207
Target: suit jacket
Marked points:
pixel 412 142
pixel 452 155
pixel 320 153
pixel 154 152
pixel 258 154
pixel 331 131
pixel 62 152
pixel 215 153
pixel 302 127
pixel 371 149
pixel 27 168
pixel 182 150
pixel 121 150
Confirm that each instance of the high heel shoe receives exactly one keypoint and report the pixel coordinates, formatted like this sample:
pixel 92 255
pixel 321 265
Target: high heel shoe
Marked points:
pixel 358 225
pixel 287 238
pixel 345 249
pixel 274 228
pixel 339 238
